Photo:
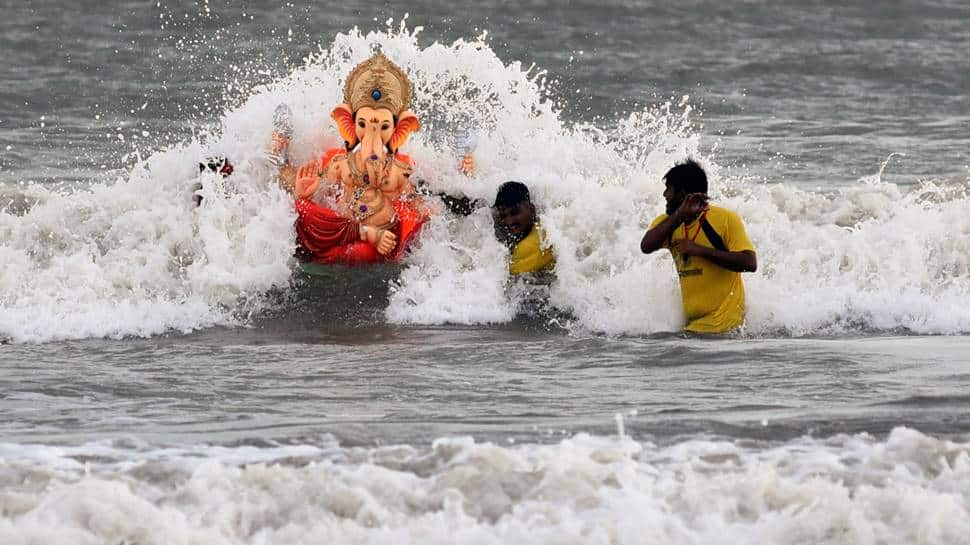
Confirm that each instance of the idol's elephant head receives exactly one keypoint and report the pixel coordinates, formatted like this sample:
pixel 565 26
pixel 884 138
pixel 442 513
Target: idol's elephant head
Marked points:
pixel 377 130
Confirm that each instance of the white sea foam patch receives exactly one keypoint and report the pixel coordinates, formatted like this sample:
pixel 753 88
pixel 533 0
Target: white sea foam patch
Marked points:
pixel 908 488
pixel 136 257
pixel 869 257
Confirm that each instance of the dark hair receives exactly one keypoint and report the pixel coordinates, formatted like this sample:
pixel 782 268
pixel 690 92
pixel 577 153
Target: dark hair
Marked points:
pixel 688 177
pixel 511 194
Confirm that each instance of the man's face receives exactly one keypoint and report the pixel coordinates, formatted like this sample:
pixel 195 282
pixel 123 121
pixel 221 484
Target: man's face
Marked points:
pixel 516 220
pixel 674 197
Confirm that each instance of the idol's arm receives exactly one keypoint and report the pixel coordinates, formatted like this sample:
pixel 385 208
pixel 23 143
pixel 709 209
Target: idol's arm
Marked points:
pixel 287 172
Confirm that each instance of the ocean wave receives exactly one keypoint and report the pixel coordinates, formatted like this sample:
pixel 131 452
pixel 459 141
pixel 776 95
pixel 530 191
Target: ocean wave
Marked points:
pixel 132 256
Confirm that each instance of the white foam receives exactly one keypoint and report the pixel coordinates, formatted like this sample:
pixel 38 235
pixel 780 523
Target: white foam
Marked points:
pixel 136 258
pixel 908 488
pixel 133 257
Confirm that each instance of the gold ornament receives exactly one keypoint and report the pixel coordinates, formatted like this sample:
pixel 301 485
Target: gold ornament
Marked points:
pixel 378 83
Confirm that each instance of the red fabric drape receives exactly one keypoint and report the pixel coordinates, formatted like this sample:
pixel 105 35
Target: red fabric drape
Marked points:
pixel 319 228
pixel 324 236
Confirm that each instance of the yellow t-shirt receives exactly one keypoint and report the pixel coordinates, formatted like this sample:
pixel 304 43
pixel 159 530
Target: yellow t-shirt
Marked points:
pixel 532 254
pixel 713 296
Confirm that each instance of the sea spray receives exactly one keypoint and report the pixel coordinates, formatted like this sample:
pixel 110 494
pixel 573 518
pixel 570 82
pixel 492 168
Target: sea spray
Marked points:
pixel 132 255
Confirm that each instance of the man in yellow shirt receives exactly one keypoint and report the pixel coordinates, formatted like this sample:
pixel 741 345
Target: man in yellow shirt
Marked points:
pixel 517 226
pixel 710 249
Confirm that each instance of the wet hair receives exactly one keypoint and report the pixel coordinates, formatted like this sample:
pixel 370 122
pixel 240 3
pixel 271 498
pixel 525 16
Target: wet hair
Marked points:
pixel 511 194
pixel 688 177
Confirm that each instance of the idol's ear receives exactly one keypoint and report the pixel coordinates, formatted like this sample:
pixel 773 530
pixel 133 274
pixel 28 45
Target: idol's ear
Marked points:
pixel 407 123
pixel 344 118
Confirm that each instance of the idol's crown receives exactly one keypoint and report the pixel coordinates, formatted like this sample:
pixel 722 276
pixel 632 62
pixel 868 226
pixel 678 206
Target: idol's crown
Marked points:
pixel 378 83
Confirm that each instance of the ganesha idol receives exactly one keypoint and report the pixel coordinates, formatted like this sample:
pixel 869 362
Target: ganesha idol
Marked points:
pixel 356 204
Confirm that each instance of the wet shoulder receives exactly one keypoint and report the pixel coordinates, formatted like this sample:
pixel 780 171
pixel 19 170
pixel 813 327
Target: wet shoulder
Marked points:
pixel 330 155
pixel 720 216
pixel 721 212
pixel 729 225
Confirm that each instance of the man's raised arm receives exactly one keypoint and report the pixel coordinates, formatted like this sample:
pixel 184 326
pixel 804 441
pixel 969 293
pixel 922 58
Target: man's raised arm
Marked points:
pixel 654 238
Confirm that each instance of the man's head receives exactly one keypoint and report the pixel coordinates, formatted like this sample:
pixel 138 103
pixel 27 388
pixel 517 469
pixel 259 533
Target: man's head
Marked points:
pixel 682 180
pixel 514 212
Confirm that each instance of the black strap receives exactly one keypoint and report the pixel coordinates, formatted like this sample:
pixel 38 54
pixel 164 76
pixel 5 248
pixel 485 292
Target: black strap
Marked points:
pixel 716 241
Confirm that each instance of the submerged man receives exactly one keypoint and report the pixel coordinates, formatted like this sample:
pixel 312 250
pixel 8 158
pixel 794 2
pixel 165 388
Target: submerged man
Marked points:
pixel 516 225
pixel 710 249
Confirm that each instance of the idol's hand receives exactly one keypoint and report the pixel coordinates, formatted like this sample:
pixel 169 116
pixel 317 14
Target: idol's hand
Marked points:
pixel 382 239
pixel 306 180
pixel 386 242
pixel 280 143
pixel 468 164
pixel 426 207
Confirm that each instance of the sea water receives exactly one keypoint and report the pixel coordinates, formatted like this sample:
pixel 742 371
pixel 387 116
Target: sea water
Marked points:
pixel 170 376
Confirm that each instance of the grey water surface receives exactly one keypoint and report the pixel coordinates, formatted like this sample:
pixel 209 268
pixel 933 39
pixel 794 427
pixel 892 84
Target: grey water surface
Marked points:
pixel 815 94
pixel 395 385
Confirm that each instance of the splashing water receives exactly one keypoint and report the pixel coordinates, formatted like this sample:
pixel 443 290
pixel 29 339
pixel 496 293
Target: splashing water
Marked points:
pixel 134 257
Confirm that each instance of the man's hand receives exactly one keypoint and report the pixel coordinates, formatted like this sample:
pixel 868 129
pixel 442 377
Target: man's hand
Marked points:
pixel 743 261
pixel 693 205
pixel 687 247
